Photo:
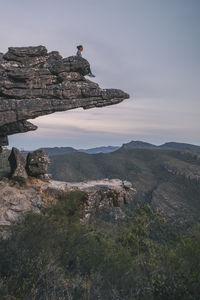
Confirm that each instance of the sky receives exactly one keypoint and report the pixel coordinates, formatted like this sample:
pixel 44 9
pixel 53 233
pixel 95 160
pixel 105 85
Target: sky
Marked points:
pixel 148 48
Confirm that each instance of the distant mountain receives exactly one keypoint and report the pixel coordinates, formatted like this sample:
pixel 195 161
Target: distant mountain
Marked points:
pixel 64 150
pixel 130 145
pixel 58 150
pixel 138 145
pixel 179 146
pixel 166 146
pixel 104 149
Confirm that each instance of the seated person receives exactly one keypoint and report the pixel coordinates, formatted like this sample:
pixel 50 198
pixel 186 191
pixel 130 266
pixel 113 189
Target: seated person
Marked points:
pixel 78 53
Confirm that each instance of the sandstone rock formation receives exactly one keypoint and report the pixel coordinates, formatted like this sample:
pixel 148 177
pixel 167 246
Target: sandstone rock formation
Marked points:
pixel 37 163
pixel 17 198
pixel 102 195
pixel 17 165
pixel 34 82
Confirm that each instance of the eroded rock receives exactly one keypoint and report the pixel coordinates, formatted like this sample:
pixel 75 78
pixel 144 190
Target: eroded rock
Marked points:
pixel 37 163
pixel 17 198
pixel 17 164
pixel 34 83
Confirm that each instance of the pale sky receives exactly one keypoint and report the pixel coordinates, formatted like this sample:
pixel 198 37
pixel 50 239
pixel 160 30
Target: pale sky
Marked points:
pixel 148 48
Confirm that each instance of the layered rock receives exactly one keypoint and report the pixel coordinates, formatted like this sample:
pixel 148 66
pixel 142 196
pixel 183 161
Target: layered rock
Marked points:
pixel 35 165
pixel 34 82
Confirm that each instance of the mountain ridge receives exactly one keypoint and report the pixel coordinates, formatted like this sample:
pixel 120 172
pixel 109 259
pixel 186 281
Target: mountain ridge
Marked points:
pixel 130 145
pixel 167 179
pixel 167 145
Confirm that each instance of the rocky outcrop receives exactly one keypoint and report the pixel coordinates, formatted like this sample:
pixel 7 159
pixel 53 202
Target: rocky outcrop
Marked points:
pixel 190 172
pixel 17 165
pixel 34 83
pixel 102 195
pixel 18 198
pixel 37 163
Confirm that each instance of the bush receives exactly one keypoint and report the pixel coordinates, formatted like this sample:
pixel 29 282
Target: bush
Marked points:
pixel 53 256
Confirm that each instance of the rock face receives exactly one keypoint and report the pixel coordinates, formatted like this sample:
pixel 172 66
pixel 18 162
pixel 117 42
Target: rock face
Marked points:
pixel 17 163
pixel 15 200
pixel 102 195
pixel 37 163
pixel 18 198
pixel 34 82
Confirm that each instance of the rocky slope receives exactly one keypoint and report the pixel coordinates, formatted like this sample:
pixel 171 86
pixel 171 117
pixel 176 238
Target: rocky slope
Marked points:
pixel 167 179
pixel 34 83
pixel 17 198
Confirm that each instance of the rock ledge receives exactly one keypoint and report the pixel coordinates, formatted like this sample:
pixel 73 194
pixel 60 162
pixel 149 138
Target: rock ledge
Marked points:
pixel 34 83
pixel 16 198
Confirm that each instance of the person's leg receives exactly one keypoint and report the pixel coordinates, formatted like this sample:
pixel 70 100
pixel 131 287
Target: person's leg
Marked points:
pixel 90 73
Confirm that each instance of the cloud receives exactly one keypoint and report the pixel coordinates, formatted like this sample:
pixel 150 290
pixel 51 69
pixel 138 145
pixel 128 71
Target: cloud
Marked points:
pixel 146 48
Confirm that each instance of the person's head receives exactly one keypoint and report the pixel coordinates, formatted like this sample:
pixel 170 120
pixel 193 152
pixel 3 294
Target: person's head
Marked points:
pixel 80 47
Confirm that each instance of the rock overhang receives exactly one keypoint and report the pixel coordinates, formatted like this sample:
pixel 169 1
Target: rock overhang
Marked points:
pixel 34 83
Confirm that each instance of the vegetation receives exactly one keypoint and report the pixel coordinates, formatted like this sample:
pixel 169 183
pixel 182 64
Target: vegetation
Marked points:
pixel 53 256
pixel 136 165
pixel 156 174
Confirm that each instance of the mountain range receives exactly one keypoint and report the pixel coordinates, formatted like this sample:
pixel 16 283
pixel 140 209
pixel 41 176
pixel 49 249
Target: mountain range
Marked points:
pixel 166 178
pixel 63 150
pixel 167 146
pixel 130 145
pixel 150 244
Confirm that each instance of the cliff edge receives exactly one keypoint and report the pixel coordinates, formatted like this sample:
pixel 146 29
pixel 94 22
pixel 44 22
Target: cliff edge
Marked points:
pixel 16 199
pixel 34 83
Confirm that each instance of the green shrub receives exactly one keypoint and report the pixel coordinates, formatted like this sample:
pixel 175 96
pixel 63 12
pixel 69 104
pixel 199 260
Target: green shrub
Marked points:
pixel 53 256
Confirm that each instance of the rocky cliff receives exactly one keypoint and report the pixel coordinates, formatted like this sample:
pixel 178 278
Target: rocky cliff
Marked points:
pixel 34 82
pixel 17 198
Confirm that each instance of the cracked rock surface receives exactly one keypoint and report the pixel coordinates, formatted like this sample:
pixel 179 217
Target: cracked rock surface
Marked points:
pixel 34 83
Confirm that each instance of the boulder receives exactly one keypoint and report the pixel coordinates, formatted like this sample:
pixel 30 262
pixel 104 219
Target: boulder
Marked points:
pixel 17 164
pixel 37 163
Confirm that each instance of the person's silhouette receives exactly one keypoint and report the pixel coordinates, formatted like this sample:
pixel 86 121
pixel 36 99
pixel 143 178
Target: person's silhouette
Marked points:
pixel 78 53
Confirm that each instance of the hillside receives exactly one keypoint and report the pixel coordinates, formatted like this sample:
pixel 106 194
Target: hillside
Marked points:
pixel 92 240
pixel 167 179
pixel 51 255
